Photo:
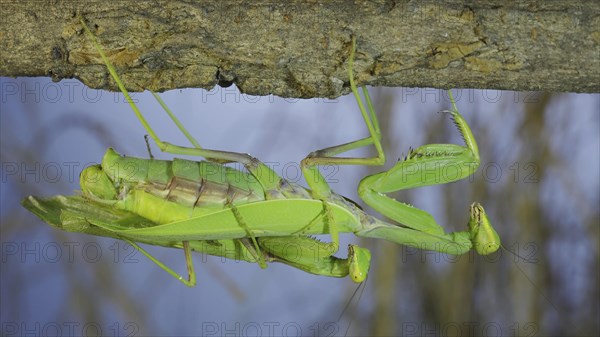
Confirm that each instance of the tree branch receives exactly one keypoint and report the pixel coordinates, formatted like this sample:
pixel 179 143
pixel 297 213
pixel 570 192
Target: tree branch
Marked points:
pixel 300 48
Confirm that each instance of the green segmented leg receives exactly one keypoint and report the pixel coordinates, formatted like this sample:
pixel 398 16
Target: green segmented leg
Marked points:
pixel 320 189
pixel 259 256
pixel 191 280
pixel 254 166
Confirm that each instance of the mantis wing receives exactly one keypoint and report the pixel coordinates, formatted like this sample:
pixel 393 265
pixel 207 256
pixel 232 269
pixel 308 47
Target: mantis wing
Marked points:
pixel 281 217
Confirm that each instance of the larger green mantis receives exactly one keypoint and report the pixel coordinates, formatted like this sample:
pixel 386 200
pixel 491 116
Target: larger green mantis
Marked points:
pixel 257 215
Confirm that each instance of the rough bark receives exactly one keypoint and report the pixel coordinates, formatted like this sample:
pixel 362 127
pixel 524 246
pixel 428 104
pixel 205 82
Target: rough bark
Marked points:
pixel 300 48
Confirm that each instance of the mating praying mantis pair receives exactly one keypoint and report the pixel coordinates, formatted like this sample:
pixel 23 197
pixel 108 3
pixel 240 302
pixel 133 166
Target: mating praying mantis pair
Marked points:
pixel 258 216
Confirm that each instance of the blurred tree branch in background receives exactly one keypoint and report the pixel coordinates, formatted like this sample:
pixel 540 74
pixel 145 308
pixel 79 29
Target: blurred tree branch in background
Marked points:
pixel 299 49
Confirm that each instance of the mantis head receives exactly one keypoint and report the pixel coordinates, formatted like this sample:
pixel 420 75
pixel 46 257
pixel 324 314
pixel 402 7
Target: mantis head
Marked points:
pixel 359 260
pixel 95 183
pixel 103 182
pixel 483 235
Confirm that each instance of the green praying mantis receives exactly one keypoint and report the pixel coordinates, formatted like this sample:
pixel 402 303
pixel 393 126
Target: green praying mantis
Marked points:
pixel 256 215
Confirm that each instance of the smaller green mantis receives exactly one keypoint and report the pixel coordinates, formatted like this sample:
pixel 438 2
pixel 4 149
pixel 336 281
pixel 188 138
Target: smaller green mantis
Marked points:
pixel 82 215
pixel 257 215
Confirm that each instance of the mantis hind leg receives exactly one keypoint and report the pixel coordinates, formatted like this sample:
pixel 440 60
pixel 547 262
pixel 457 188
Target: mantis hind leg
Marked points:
pixel 262 172
pixel 191 280
pixel 267 177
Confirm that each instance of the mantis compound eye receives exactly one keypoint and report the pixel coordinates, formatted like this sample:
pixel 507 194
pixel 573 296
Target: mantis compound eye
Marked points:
pixel 360 261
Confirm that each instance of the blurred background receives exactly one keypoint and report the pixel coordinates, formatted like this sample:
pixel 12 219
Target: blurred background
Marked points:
pixel 539 182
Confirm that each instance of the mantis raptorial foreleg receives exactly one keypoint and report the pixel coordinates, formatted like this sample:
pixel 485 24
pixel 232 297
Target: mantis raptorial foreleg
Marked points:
pixel 431 164
pixel 314 256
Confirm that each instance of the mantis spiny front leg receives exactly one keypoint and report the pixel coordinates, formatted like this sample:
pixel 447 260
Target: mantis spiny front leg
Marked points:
pixel 432 164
